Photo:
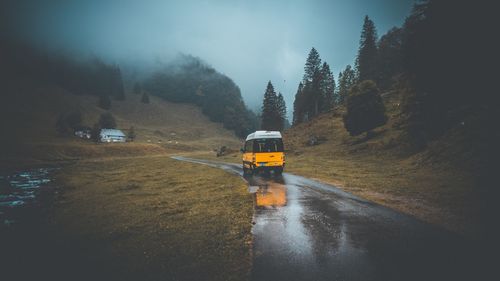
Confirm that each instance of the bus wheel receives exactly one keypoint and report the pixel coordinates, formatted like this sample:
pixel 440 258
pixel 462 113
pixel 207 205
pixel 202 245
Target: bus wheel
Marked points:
pixel 278 171
pixel 252 170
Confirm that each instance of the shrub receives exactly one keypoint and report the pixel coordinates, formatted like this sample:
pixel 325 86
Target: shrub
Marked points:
pixel 107 121
pixel 69 121
pixel 365 109
pixel 131 133
pixel 95 133
pixel 104 102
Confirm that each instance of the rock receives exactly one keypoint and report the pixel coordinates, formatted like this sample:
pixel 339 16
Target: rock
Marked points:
pixel 221 151
pixel 315 140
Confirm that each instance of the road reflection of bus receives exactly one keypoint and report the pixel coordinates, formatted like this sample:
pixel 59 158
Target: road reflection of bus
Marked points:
pixel 270 195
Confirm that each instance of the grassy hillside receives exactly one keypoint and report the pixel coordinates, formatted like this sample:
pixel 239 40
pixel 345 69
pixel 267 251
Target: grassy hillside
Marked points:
pixel 29 118
pixel 436 184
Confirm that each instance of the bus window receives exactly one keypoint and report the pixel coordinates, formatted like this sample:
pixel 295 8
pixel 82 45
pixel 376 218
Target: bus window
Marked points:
pixel 248 146
pixel 267 145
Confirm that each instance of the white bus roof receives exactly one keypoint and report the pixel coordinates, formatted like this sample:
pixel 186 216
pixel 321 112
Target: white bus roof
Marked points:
pixel 264 135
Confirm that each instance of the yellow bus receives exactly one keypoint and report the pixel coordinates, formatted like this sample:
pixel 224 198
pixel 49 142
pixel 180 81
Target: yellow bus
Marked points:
pixel 263 150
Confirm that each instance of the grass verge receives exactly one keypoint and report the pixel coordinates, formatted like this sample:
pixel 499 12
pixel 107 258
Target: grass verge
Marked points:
pixel 379 169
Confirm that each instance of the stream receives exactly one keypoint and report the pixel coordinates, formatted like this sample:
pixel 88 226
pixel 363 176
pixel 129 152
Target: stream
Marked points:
pixel 21 191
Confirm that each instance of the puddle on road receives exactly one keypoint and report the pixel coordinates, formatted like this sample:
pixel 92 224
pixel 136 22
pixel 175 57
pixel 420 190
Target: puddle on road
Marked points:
pixel 268 193
pixel 20 190
pixel 271 196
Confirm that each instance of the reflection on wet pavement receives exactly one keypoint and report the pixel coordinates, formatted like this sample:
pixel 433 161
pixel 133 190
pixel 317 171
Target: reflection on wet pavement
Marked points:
pixel 20 189
pixel 270 194
pixel 323 233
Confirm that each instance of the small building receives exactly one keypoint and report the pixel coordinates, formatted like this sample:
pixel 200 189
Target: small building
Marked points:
pixel 83 132
pixel 112 135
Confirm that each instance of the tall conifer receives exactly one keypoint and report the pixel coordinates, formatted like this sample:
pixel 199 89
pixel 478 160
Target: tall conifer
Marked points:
pixel 367 53
pixel 269 114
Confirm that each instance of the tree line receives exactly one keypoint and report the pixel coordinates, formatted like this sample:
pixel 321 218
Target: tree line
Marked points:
pixel 356 88
pixel 415 59
pixel 27 64
pixel 273 116
pixel 316 92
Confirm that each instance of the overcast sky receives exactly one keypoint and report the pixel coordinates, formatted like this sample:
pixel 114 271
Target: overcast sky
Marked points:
pixel 250 41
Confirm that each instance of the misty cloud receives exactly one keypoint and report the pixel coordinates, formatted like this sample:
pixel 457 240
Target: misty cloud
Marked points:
pixel 250 41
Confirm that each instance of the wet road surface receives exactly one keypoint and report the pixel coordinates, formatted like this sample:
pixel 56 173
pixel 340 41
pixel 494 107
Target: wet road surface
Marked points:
pixel 306 230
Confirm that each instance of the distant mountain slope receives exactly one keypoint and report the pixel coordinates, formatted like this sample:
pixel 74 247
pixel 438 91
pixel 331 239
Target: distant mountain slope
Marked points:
pixel 28 122
pixel 165 121
pixel 38 87
pixel 189 79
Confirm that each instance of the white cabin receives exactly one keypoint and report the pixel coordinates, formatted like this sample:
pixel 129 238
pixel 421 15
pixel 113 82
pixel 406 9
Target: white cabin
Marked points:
pixel 112 135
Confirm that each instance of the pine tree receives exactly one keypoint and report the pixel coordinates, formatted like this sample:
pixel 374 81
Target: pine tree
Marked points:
pixel 313 65
pixel 367 53
pixel 350 77
pixel 298 106
pixel 389 57
pixel 117 88
pixel 312 83
pixel 281 110
pixel 347 79
pixel 104 101
pixel 131 134
pixel 317 91
pixel 327 87
pixel 269 117
pixel 339 93
pixel 107 121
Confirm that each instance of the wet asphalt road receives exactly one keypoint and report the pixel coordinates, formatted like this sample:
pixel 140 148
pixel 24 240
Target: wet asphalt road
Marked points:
pixel 306 230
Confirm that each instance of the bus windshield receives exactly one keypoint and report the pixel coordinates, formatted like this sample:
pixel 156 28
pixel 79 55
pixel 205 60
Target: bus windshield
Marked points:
pixel 268 145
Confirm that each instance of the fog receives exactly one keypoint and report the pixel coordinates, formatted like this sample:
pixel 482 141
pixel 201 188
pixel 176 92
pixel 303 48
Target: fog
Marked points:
pixel 252 42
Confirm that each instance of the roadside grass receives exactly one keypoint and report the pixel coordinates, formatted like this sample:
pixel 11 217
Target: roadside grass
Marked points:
pixel 382 170
pixel 234 157
pixel 158 218
pixel 436 194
